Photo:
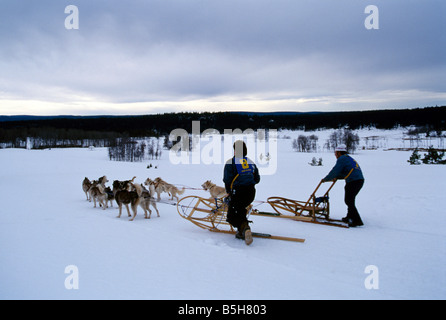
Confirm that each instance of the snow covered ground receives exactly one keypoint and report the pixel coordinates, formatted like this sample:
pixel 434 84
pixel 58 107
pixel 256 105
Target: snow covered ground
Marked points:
pixel 46 224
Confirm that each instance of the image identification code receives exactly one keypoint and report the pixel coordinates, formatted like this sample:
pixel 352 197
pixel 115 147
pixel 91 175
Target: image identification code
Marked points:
pixel 235 309
pixel 231 309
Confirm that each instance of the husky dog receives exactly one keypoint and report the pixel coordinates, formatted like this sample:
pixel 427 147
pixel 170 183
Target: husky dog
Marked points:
pixel 102 181
pixel 154 187
pixel 146 200
pixel 122 185
pixel 110 196
pixel 125 197
pixel 97 192
pixel 124 194
pixel 162 186
pixel 86 185
pixel 214 190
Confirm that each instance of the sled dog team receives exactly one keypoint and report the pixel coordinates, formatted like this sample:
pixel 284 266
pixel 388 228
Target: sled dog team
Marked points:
pixel 130 193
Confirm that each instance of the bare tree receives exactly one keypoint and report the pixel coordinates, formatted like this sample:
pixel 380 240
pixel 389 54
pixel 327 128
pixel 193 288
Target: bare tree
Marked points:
pixel 343 136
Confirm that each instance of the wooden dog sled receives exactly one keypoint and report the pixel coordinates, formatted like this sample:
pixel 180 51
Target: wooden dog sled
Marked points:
pixel 314 210
pixel 210 214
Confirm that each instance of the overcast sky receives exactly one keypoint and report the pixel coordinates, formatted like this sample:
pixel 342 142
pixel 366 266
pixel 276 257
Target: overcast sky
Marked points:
pixel 147 56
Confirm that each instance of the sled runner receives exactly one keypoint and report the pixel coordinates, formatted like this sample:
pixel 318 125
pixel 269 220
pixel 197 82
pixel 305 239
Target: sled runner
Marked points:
pixel 314 210
pixel 210 214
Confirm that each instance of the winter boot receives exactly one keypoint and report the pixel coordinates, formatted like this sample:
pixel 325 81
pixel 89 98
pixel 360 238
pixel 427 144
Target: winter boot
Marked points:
pixel 240 235
pixel 353 224
pixel 246 232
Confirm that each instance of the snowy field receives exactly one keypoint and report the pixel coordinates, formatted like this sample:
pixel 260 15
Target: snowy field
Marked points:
pixel 46 224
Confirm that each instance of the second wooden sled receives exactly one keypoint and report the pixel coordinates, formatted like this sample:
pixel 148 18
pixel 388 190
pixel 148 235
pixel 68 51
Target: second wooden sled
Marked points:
pixel 314 210
pixel 210 214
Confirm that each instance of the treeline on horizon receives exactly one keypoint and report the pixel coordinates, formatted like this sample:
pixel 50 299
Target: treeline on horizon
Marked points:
pixel 81 131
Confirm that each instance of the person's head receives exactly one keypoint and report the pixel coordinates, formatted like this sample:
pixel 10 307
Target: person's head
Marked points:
pixel 240 149
pixel 340 150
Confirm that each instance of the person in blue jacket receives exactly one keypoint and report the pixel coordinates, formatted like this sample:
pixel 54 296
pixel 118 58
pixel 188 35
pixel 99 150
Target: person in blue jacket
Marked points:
pixel 347 168
pixel 240 177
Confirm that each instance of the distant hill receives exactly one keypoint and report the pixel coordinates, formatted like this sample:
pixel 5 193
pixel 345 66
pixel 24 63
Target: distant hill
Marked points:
pixel 161 124
pixel 32 118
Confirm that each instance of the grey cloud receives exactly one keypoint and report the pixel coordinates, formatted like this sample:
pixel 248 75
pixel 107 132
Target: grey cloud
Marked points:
pixel 136 51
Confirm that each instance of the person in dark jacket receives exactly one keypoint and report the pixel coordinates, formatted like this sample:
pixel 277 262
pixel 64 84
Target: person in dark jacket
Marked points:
pixel 240 177
pixel 347 168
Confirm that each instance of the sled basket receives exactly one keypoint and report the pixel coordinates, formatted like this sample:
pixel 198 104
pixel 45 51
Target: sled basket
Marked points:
pixel 208 214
